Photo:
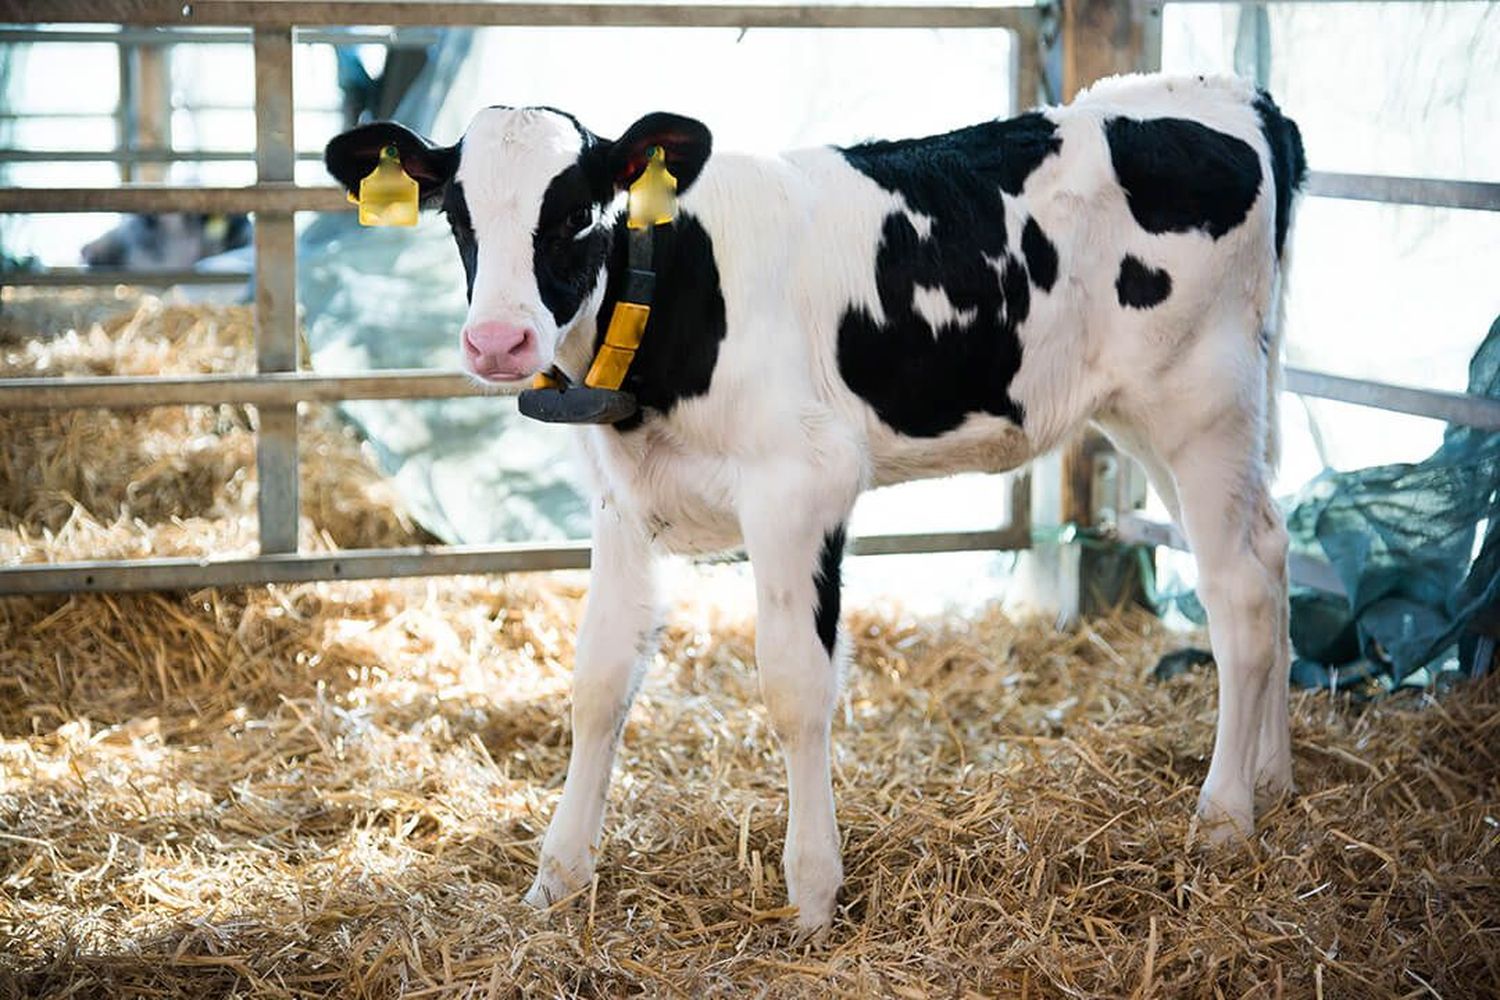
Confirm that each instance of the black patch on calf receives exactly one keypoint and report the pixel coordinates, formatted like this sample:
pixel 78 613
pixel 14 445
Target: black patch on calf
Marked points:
pixel 826 579
pixel 1179 175
pixel 1288 161
pixel 1041 255
pixel 456 208
pixel 923 382
pixel 567 268
pixel 1140 286
pixel 677 355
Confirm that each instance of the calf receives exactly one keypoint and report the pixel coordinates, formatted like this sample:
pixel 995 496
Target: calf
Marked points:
pixel 830 319
pixel 173 240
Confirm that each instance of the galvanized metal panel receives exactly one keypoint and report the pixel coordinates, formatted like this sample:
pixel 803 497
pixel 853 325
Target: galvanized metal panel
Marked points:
pixel 265 197
pixel 364 564
pixel 478 13
pixel 1453 407
pixel 1430 191
pixel 270 389
pixel 275 293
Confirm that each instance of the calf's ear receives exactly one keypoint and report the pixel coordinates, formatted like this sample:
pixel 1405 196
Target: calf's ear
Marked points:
pixel 685 141
pixel 351 156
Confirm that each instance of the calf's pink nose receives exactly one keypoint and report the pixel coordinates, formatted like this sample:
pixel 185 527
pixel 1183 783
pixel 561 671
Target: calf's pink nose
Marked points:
pixel 500 349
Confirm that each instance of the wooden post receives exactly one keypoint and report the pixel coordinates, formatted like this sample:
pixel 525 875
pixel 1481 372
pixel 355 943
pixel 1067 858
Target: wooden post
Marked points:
pixel 1099 38
pixel 153 106
pixel 1103 37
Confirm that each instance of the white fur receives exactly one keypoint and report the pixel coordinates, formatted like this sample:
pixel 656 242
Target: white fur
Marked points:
pixel 774 455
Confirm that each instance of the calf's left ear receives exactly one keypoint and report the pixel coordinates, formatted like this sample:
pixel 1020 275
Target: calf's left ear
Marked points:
pixel 352 155
pixel 686 142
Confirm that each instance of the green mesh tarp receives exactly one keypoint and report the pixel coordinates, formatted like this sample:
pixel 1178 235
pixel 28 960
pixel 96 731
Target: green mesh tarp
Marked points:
pixel 1402 539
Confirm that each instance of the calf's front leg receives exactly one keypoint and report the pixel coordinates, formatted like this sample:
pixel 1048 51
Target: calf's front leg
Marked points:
pixel 614 646
pixel 796 567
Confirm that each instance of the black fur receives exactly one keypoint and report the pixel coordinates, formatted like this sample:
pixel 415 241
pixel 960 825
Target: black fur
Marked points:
pixel 566 268
pixel 1140 286
pixel 1288 161
pixel 1041 256
pixel 457 211
pixel 681 346
pixel 1179 175
pixel 827 581
pixel 920 384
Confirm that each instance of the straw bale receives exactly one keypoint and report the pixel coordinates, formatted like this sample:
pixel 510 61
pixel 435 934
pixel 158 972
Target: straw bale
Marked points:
pixel 338 789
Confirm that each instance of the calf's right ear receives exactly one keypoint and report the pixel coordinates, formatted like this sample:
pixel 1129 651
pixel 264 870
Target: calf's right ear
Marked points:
pixel 352 155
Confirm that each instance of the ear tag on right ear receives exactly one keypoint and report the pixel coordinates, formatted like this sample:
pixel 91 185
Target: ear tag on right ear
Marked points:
pixel 387 196
pixel 653 196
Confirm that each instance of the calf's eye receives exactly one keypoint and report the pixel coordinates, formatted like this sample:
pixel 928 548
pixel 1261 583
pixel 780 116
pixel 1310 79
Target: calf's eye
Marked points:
pixel 579 219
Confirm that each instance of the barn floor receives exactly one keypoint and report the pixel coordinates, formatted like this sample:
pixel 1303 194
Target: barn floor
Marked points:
pixel 337 790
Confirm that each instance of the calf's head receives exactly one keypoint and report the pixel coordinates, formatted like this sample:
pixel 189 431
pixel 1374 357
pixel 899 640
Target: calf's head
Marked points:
pixel 534 199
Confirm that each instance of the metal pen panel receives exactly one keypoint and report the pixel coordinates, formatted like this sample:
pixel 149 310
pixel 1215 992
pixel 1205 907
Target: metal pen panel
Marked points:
pixel 264 197
pixel 275 292
pixel 477 14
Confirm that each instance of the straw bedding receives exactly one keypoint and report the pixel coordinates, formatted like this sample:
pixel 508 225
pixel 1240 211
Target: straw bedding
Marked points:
pixel 337 790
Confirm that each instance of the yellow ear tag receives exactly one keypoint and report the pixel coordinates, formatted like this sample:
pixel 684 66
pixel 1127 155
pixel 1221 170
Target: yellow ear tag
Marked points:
pixel 387 196
pixel 653 196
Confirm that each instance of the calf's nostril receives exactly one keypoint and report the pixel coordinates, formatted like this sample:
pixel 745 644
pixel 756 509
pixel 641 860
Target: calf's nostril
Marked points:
pixel 522 344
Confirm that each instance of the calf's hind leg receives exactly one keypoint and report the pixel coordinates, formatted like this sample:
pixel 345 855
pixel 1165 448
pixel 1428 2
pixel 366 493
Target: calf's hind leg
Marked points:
pixel 1216 460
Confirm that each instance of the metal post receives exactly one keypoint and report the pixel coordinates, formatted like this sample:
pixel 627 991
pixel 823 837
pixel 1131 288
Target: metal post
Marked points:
pixel 125 109
pixel 275 291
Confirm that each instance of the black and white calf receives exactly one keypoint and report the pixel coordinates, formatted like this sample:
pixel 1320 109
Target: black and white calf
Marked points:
pixel 829 320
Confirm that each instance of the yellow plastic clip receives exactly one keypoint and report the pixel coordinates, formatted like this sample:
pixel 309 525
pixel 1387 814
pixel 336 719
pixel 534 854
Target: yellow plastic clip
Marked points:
pixel 387 195
pixel 627 325
pixel 653 196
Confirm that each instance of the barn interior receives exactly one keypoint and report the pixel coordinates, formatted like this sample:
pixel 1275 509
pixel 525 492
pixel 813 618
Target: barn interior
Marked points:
pixel 331 787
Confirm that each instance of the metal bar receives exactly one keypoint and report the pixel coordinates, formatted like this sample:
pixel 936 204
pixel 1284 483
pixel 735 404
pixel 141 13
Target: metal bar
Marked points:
pixel 83 277
pixel 1304 570
pixel 446 560
pixel 1431 191
pixel 478 13
pixel 275 292
pixel 1453 407
pixel 188 574
pixel 125 108
pixel 1347 3
pixel 263 197
pixel 407 38
pixel 138 155
pixel 269 389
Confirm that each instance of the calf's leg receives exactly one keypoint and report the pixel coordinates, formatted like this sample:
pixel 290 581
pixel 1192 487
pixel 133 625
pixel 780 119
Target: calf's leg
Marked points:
pixel 1240 542
pixel 614 645
pixel 795 557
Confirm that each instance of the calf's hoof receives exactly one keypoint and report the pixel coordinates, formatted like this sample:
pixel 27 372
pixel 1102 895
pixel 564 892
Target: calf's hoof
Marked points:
pixel 1274 779
pixel 812 885
pixel 555 881
pixel 1226 819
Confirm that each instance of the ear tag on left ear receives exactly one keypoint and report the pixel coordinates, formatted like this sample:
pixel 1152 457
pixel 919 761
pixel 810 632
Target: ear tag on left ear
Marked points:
pixel 387 196
pixel 653 196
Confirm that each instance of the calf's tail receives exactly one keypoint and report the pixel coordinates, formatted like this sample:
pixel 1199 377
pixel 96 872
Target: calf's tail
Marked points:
pixel 1288 175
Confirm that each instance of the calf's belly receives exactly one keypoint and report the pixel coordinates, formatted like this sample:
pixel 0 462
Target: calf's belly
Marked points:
pixel 982 443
